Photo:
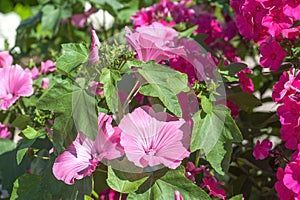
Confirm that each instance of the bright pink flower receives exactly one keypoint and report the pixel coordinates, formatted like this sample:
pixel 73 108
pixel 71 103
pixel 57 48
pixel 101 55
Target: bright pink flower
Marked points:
pixel 143 17
pixel 45 83
pixel 48 66
pixel 95 45
pixel 291 33
pixel 287 85
pixel 283 192
pixel 6 59
pixel 276 22
pixel 177 195
pixel 14 82
pixel 237 5
pixel 110 194
pixel 154 42
pixel 291 178
pixel 261 150
pixel 4 132
pixel 292 9
pixel 212 185
pixel 272 55
pixel 83 155
pixel 290 119
pixel 245 82
pixel 256 9
pixel 191 171
pixel 150 139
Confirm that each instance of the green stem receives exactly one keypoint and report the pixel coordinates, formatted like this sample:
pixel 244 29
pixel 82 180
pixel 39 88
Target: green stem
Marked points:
pixel 197 158
pixel 95 194
pixel 120 197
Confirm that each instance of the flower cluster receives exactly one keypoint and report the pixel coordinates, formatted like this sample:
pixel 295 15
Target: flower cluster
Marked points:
pixel 288 184
pixel 147 138
pixel 286 91
pixel 267 22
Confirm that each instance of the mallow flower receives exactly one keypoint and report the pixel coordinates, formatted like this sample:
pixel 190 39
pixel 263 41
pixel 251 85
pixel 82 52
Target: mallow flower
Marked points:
pixel 150 139
pixel 83 155
pixel 6 59
pixel 14 83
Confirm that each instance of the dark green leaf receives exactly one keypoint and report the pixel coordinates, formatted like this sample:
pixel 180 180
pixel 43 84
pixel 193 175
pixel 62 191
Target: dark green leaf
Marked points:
pixel 244 100
pixel 51 18
pixel 21 121
pixel 6 145
pixel 113 3
pixel 22 149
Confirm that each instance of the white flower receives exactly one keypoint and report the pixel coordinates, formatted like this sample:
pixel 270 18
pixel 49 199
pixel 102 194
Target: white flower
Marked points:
pixel 8 25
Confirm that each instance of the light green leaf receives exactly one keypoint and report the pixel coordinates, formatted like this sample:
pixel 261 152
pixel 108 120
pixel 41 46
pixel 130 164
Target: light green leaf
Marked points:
pixel 124 182
pixel 113 3
pixel 206 105
pixel 167 97
pixel 163 184
pixel 74 55
pixel 237 197
pixel 30 133
pixel 158 74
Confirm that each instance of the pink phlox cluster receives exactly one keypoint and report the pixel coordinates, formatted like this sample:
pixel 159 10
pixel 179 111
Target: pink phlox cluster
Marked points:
pixel 262 149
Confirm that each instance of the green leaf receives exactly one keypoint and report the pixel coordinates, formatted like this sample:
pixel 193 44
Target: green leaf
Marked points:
pixel 113 3
pixel 233 68
pixel 214 134
pixel 187 33
pixel 74 106
pixel 74 55
pixel 163 184
pixel 109 78
pixel 167 97
pixel 21 121
pixel 158 74
pixel 6 145
pixel 30 133
pixel 124 182
pixel 22 149
pixel 51 18
pixel 244 100
pixel 237 197
pixel 206 105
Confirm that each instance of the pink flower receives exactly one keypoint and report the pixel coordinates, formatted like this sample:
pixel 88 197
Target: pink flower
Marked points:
pixel 291 178
pixel 48 66
pixel 290 120
pixel 80 20
pixel 96 88
pixel 14 82
pixel 283 192
pixel 143 17
pixel 150 139
pixel 245 82
pixel 4 132
pixel 191 171
pixel 6 59
pixel 287 85
pixel 45 83
pixel 256 9
pixel 111 194
pixel 261 150
pixel 276 22
pixel 212 185
pixel 35 73
pixel 272 54
pixel 177 195
pixel 83 155
pixel 292 9
pixel 95 45
pixel 154 42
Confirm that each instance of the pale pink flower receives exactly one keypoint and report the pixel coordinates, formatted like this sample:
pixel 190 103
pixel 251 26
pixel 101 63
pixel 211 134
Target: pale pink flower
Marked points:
pixel 6 59
pixel 246 82
pixel 83 155
pixel 261 149
pixel 150 139
pixel 4 132
pixel 14 83
pixel 177 195
pixel 272 54
pixel 48 66
pixel 154 42
pixel 45 83
pixel 95 45
pixel 35 73
pixel 79 20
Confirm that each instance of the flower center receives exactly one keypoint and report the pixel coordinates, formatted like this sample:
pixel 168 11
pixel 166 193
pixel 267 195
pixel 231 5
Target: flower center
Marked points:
pixel 150 152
